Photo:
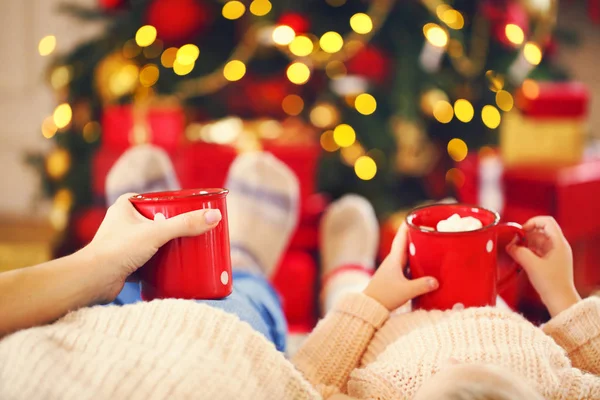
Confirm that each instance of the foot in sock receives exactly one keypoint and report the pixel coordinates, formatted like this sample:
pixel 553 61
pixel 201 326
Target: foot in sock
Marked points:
pixel 263 211
pixel 349 237
pixel 141 169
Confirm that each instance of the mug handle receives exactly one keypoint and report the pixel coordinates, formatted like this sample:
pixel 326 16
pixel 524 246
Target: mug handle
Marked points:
pixel 510 228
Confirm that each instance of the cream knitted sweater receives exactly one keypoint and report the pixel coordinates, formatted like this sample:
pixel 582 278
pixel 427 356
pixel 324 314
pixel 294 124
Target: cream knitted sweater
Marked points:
pixel 174 349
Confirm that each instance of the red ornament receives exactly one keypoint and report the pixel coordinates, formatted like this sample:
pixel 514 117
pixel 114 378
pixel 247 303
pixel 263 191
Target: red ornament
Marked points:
pixel 298 22
pixel 110 4
pixel 502 13
pixel 371 63
pixel 176 21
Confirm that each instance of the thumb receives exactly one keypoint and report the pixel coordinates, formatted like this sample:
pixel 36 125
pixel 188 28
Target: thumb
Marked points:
pixel 522 255
pixel 421 286
pixel 193 223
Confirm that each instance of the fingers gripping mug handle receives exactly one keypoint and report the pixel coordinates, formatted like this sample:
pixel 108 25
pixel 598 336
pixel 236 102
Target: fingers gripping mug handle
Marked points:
pixel 513 229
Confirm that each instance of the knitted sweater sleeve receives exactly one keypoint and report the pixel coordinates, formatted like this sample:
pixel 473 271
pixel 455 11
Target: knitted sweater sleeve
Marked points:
pixel 338 342
pixel 577 330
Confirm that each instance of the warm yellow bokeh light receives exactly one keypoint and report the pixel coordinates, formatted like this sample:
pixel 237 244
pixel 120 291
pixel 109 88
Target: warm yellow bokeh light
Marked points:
pixel 327 142
pixel 123 81
pixel 63 199
pixel 181 69
pixel 435 35
pixel 58 163
pixel 344 135
pixel 47 45
pixel 149 75
pixel 490 116
pixel 62 115
pixel 530 89
pixel 335 69
pixel 298 73
pixel 463 110
pixel 260 7
pixel 532 53
pixel 350 154
pixel 331 42
pixel 91 131
pixel 365 104
pixel 283 35
pixel 453 19
pixel 443 112
pixel 514 34
pixel 234 70
pixel 301 46
pixel 495 80
pixel 455 177
pixel 457 149
pixel 324 115
pixel 430 98
pixel 60 77
pixel 145 36
pixel 441 9
pixel 361 23
pixel 365 168
pixel 187 54
pixel 49 128
pixel 292 104
pixel 504 100
pixel 233 9
pixel 168 57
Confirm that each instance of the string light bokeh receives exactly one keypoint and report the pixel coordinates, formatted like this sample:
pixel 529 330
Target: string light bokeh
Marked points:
pixel 309 55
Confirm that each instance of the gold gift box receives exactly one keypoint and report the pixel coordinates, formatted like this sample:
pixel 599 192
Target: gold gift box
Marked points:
pixel 24 243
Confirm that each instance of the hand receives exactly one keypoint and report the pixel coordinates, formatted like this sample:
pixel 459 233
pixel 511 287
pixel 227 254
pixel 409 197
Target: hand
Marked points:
pixel 548 261
pixel 126 240
pixel 389 286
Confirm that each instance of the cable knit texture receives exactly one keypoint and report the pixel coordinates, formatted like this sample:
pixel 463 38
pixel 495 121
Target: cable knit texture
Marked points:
pixel 176 349
pixel 169 349
pixel 410 348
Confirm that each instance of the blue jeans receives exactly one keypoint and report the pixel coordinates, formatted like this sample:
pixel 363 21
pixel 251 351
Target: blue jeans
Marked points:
pixel 253 300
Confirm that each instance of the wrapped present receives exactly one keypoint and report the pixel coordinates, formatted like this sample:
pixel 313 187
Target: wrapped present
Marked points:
pixel 126 125
pixel 547 127
pixel 296 282
pixel 570 195
pixel 203 164
pixel 25 242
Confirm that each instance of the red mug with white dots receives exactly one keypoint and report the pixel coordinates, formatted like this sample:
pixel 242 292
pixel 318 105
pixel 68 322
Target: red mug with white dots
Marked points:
pixel 191 267
pixel 464 263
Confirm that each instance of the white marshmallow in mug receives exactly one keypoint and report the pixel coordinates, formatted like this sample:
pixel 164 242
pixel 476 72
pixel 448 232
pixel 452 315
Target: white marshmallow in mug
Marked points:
pixel 457 224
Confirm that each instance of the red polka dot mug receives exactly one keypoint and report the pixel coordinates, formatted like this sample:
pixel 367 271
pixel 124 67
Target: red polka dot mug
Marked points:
pixel 190 267
pixel 465 263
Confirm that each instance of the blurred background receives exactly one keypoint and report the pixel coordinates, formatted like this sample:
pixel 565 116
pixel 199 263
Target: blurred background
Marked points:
pixel 493 102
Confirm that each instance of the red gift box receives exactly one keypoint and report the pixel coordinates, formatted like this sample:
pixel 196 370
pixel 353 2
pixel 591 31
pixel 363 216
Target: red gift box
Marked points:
pixel 166 126
pixel 203 164
pixel 102 162
pixel 296 281
pixel 569 194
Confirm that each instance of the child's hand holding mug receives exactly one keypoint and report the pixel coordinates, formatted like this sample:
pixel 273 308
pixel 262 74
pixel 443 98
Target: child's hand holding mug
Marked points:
pixel 548 261
pixel 389 286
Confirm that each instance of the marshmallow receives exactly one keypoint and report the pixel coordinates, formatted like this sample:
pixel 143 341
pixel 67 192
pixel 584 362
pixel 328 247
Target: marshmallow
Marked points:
pixel 457 224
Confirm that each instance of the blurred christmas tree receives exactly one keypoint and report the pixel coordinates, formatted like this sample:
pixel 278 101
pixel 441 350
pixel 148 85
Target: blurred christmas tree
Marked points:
pixel 398 89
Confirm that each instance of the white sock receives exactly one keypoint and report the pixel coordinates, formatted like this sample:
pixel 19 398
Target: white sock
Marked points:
pixel 349 234
pixel 263 210
pixel 141 169
pixel 349 237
